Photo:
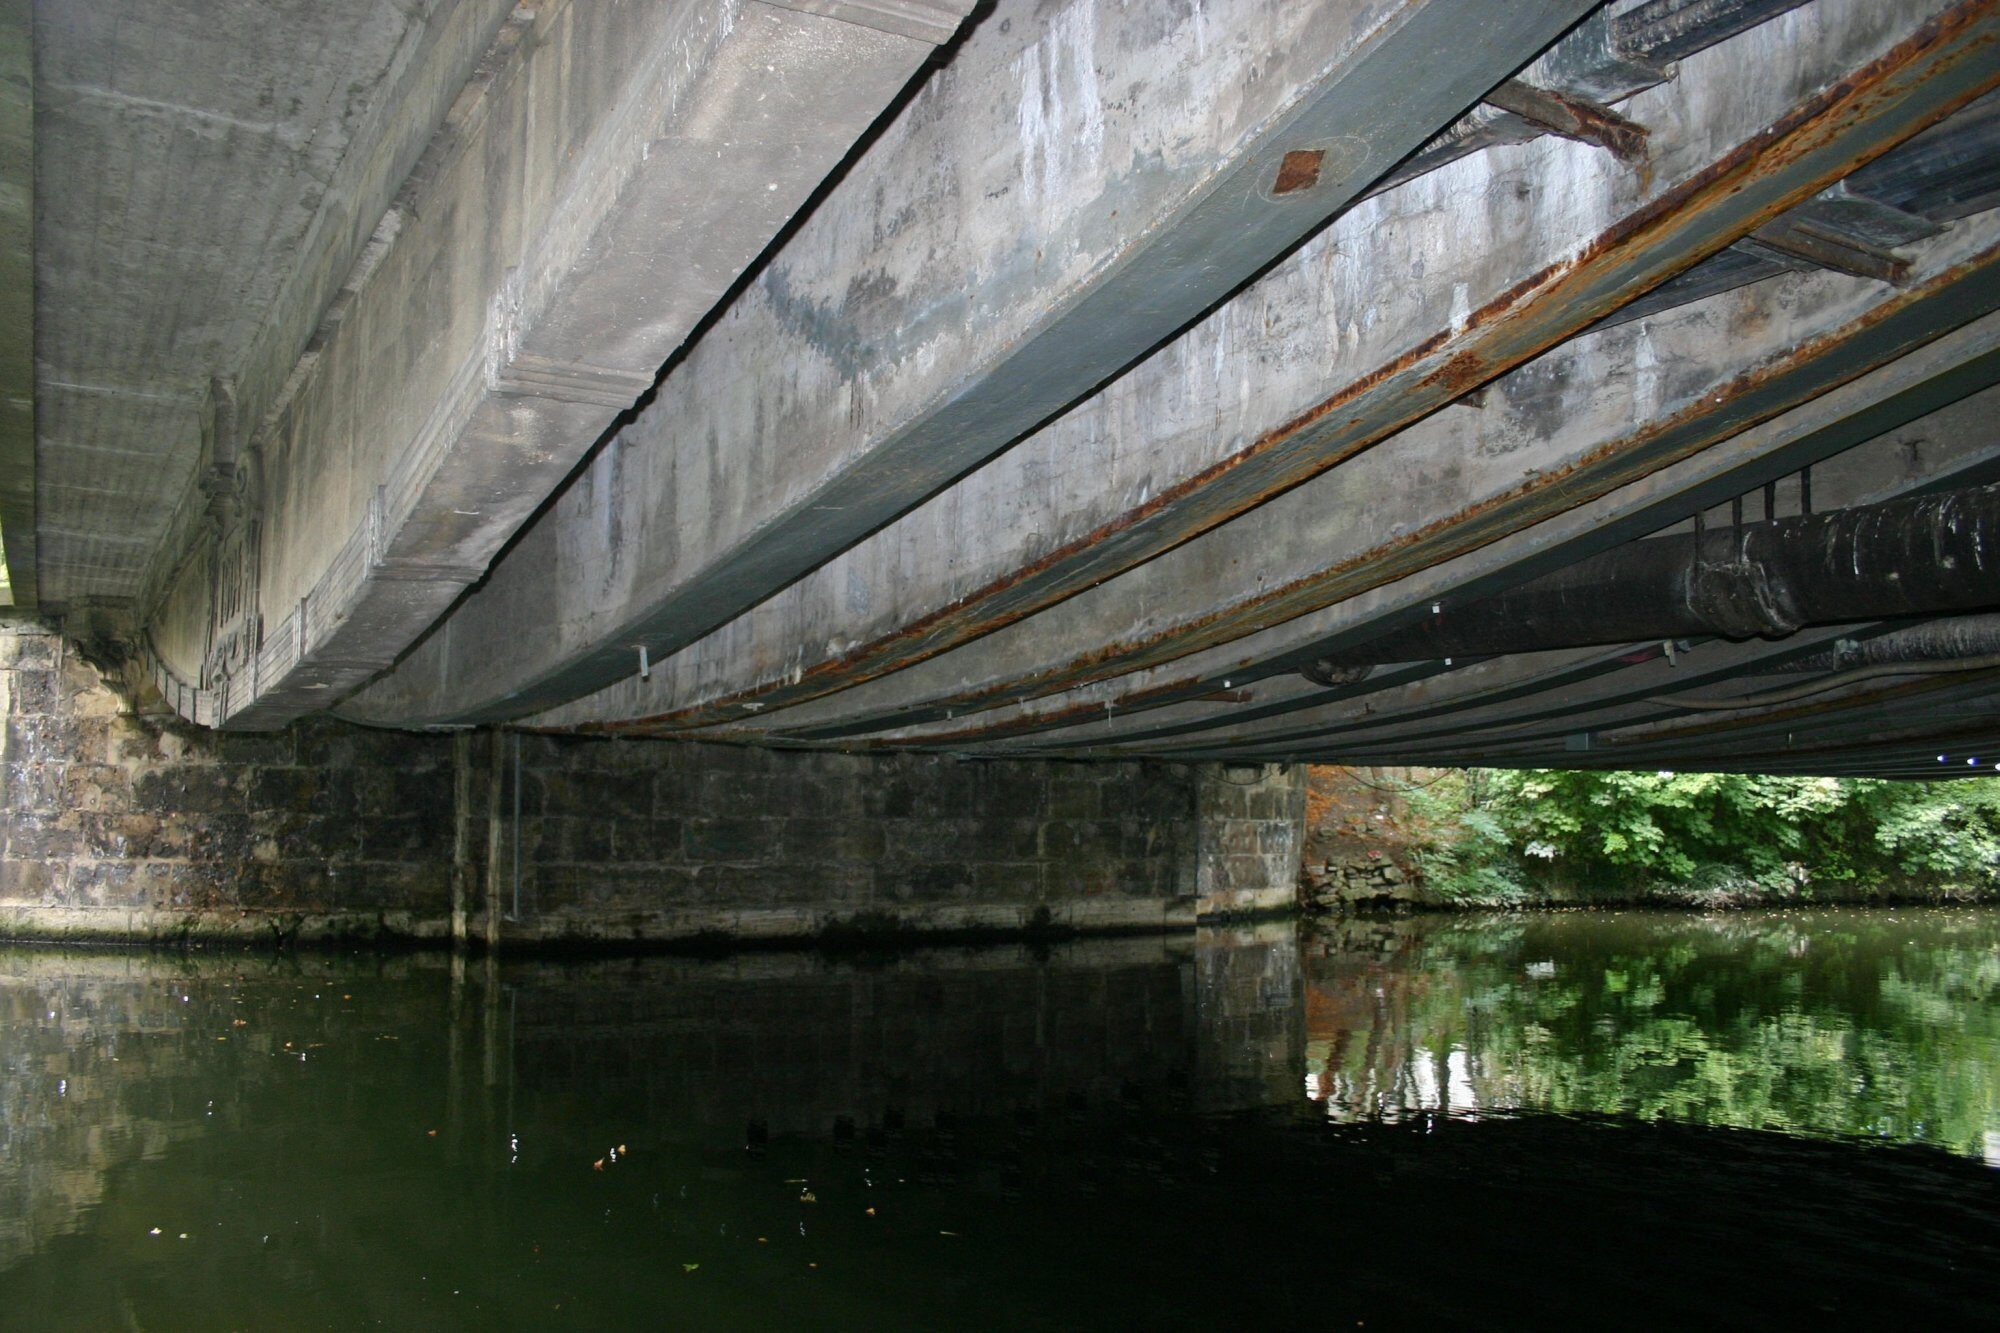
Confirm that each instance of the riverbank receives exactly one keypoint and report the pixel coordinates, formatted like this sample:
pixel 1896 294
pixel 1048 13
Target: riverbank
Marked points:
pixel 1366 896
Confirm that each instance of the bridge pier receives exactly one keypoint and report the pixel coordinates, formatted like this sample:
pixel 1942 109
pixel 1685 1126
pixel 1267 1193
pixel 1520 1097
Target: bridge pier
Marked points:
pixel 129 827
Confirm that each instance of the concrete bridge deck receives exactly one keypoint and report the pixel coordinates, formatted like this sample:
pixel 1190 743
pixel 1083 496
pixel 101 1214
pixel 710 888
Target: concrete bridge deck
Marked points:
pixel 1024 378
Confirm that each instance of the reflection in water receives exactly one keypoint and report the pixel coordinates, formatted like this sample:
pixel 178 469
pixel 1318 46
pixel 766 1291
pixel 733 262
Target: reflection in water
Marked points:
pixel 1878 1023
pixel 1110 1134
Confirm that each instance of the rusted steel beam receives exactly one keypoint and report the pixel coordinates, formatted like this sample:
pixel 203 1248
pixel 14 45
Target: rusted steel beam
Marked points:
pixel 1848 106
pixel 1334 539
pixel 1621 702
pixel 1079 183
pixel 1824 247
pixel 1484 704
pixel 1937 706
pixel 1907 398
pixel 1572 118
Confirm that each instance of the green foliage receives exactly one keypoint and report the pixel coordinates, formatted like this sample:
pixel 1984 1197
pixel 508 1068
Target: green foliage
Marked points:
pixel 1491 835
pixel 1462 846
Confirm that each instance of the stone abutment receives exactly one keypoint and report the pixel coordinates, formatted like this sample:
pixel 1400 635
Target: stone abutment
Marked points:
pixel 128 827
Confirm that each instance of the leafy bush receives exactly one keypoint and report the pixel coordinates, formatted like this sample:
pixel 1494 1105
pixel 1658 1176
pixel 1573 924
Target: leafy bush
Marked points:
pixel 1493 834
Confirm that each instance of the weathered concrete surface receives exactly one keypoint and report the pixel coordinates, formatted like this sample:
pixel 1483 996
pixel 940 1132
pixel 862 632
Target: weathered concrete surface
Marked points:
pixel 210 176
pixel 132 828
pixel 1078 184
pixel 1239 409
pixel 600 181
pixel 18 580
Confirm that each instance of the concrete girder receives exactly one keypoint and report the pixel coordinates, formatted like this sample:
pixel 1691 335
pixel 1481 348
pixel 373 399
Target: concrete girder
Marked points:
pixel 1368 547
pixel 206 186
pixel 17 304
pixel 1238 410
pixel 1080 183
pixel 598 185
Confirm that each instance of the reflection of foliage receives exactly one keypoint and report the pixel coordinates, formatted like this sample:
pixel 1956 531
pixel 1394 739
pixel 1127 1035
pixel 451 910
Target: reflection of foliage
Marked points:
pixel 1490 834
pixel 1841 1023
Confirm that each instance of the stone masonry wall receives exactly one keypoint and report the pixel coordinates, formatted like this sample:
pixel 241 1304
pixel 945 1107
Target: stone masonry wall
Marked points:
pixel 119 826
pixel 128 827
pixel 639 839
pixel 1251 828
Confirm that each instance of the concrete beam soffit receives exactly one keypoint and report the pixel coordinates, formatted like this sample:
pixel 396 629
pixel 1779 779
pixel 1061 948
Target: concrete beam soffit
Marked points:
pixel 1027 230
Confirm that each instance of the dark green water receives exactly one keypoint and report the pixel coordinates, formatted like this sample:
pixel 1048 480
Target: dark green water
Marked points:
pixel 1551 1121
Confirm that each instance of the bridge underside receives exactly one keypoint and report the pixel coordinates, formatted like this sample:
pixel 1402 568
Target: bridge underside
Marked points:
pixel 1439 382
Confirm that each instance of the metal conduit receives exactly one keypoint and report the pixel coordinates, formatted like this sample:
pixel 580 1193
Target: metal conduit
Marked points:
pixel 1916 556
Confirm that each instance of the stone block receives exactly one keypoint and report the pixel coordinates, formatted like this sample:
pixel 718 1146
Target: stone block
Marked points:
pixel 409 838
pixel 731 840
pixel 591 795
pixel 134 744
pixel 648 841
pixel 1074 797
pixel 91 786
pixel 314 839
pixel 1069 842
pixel 223 837
pixel 676 792
pixel 33 881
pixel 108 884
pixel 289 789
pixel 832 840
pixel 328 745
pixel 41 838
pixel 587 841
pixel 49 737
pixel 893 796
pixel 27 650
pixel 1011 790
pixel 1011 839
pixel 131 834
pixel 932 882
pixel 541 842
pixel 186 789
pixel 245 749
pixel 1147 792
pixel 33 786
pixel 1007 882
pixel 31 693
